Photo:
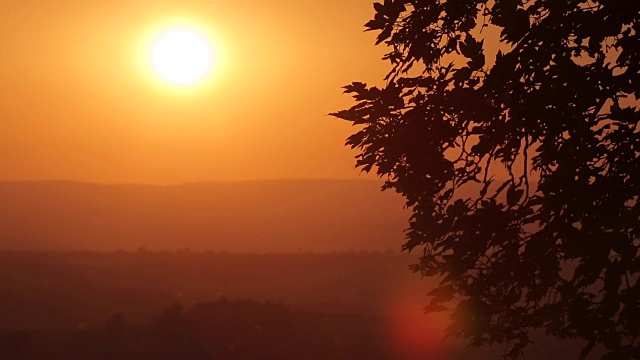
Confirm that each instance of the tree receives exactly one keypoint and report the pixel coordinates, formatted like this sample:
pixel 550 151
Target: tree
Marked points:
pixel 521 166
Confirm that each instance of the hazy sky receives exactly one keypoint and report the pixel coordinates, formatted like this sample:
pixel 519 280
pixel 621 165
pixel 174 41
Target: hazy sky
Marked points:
pixel 78 99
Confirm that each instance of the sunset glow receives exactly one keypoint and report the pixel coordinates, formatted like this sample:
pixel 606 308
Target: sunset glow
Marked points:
pixel 93 73
pixel 343 179
pixel 182 56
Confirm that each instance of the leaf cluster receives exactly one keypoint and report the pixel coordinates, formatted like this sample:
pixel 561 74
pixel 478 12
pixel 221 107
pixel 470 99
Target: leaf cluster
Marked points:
pixel 522 171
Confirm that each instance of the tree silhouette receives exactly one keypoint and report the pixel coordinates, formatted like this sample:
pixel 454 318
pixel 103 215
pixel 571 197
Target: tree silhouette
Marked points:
pixel 509 127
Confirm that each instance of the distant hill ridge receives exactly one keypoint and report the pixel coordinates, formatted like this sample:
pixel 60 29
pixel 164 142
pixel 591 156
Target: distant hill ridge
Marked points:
pixel 246 216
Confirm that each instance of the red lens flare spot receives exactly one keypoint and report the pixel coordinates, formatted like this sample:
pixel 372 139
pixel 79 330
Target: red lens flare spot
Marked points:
pixel 412 334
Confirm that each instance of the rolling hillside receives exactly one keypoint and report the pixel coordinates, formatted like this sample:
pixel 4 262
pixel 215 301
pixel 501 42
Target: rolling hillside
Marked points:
pixel 251 216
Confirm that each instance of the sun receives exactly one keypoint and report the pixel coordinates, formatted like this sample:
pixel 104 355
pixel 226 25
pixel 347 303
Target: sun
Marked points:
pixel 182 56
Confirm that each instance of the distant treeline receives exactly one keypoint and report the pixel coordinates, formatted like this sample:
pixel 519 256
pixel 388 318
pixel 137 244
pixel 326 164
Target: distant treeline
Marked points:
pixel 243 330
pixel 219 329
pixel 52 290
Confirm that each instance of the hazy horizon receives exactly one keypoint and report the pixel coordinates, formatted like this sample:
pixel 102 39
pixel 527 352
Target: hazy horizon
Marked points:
pixel 245 216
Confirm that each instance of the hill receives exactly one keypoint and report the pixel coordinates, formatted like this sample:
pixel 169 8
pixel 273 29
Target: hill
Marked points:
pixel 249 216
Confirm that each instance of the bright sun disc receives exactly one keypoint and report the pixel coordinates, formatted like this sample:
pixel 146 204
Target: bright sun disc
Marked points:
pixel 181 56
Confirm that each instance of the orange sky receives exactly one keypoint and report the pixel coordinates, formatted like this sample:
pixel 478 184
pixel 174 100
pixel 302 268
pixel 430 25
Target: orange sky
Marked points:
pixel 75 103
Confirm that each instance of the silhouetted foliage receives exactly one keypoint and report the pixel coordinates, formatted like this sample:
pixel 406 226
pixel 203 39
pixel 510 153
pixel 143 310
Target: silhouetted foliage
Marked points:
pixel 543 128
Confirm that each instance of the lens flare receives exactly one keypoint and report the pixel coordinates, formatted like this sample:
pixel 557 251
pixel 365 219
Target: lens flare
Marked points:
pixel 412 334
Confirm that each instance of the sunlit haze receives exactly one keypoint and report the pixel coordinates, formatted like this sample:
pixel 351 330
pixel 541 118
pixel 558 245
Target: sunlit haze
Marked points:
pixel 82 99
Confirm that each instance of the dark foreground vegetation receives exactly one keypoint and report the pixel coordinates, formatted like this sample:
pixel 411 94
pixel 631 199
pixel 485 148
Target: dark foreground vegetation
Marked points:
pixel 242 330
pixel 220 329
pixel 281 306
